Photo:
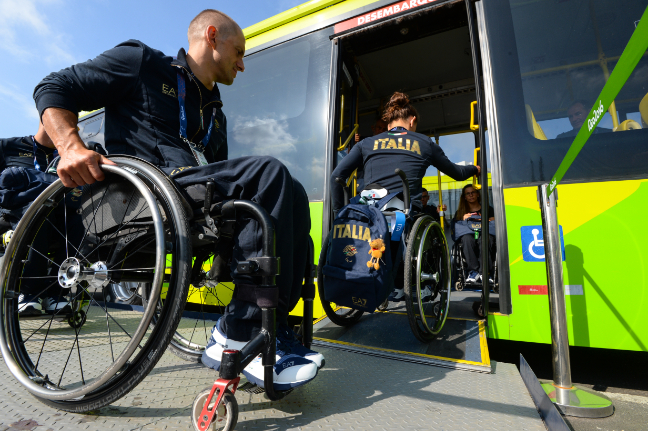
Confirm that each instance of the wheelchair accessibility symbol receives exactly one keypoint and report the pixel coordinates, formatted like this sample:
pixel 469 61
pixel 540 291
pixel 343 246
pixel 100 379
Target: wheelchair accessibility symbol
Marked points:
pixel 533 244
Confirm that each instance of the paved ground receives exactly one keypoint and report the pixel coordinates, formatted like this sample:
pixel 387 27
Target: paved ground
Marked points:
pixel 353 392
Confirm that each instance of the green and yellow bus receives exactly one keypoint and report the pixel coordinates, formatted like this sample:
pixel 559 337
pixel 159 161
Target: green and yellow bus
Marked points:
pixel 320 72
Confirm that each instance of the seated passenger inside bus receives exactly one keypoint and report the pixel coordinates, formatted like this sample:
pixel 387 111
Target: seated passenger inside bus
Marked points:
pixel 398 147
pixel 577 113
pixel 431 210
pixel 470 208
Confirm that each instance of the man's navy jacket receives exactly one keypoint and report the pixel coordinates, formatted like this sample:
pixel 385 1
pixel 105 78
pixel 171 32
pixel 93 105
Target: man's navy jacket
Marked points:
pixel 138 86
pixel 20 152
pixel 381 154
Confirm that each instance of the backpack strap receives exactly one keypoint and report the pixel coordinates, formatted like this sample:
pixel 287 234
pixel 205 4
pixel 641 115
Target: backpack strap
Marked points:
pixel 382 202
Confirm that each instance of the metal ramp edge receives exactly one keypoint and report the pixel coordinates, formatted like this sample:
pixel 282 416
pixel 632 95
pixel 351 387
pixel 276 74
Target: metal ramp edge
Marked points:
pixel 413 357
pixel 404 356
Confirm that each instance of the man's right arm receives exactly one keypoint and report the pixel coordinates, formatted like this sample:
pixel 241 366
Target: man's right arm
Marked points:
pixel 106 80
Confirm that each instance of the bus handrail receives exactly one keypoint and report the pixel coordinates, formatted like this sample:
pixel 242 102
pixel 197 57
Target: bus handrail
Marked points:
pixel 473 126
pixel 476 184
pixel 346 143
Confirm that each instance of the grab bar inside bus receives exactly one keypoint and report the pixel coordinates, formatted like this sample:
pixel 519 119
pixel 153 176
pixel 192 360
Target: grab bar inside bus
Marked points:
pixel 476 184
pixel 473 126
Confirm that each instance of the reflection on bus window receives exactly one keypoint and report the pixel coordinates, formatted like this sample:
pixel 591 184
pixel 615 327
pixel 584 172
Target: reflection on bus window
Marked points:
pixel 550 61
pixel 278 107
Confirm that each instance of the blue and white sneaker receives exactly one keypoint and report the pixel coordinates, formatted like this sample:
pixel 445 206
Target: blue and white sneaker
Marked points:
pixel 290 371
pixel 472 277
pixel 218 342
pixel 29 305
pixel 288 342
pixel 56 304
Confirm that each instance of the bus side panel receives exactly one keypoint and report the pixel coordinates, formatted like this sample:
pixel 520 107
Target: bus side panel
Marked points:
pixel 605 266
pixel 316 212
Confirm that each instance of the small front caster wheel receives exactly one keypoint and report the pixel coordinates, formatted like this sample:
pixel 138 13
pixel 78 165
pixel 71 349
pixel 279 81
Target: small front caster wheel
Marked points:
pixel 227 414
pixel 77 319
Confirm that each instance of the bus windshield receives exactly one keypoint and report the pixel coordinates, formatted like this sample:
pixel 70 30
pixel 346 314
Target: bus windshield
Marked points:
pixel 550 60
pixel 279 107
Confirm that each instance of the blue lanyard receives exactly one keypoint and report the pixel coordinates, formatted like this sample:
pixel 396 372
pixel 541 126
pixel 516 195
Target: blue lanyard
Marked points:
pixel 398 129
pixel 36 165
pixel 182 94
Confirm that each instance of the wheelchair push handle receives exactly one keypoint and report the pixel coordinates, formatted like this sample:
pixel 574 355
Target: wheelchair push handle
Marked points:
pixel 406 191
pixel 341 182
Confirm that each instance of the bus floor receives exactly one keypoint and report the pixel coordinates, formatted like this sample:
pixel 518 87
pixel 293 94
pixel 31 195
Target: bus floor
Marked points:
pixel 462 343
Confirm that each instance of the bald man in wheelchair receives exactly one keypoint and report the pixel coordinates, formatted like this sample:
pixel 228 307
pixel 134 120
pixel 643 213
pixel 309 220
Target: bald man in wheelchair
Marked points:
pixel 167 111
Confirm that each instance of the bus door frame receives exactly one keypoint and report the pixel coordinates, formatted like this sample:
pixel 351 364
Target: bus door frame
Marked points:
pixel 331 141
pixel 486 111
pixel 483 157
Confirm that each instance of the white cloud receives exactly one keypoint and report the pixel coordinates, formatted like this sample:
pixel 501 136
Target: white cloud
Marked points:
pixel 258 136
pixel 23 102
pixel 27 36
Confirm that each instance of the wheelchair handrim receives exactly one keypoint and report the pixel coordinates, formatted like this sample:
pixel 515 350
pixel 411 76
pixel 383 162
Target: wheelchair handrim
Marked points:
pixel 139 333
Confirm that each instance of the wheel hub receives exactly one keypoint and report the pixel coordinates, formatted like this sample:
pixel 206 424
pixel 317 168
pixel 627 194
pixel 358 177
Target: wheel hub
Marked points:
pixel 71 272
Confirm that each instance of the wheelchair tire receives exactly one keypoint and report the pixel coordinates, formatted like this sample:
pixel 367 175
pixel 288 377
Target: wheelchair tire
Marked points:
pixel 339 316
pixel 227 415
pixel 427 265
pixel 136 216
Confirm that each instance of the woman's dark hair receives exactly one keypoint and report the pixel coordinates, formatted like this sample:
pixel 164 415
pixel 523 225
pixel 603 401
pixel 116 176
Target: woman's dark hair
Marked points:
pixel 462 208
pixel 399 107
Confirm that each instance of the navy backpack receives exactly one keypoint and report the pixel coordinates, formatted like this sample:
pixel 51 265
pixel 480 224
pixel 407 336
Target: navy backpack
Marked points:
pixel 349 281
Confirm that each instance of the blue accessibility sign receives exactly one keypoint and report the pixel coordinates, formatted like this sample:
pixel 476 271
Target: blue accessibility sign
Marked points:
pixel 533 244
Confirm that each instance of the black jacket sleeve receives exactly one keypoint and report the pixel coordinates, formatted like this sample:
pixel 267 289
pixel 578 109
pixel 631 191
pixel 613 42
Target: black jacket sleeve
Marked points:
pixel 222 152
pixel 439 160
pixel 352 161
pixel 94 84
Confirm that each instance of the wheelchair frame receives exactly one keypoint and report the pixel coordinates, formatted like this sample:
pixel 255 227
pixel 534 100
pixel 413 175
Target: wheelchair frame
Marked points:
pixel 460 272
pixel 162 220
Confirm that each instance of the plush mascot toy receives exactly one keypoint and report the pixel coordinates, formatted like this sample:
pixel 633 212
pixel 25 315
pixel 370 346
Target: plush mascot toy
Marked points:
pixel 376 252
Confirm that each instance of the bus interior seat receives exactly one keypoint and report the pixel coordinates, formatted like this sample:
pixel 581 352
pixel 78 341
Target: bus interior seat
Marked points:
pixel 627 125
pixel 643 109
pixel 534 128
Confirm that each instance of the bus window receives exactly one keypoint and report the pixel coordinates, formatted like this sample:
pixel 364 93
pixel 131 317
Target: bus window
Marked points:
pixel 279 107
pixel 550 61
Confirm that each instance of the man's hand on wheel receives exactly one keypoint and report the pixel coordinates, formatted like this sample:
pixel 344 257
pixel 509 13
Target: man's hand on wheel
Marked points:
pixel 79 166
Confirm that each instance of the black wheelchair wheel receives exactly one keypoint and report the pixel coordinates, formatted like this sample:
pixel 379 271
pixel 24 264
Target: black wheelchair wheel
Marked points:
pixel 341 316
pixel 427 279
pixel 129 228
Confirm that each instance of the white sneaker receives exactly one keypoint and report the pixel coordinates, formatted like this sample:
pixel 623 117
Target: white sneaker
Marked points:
pixel 426 294
pixel 56 304
pixel 29 305
pixel 472 277
pixel 397 295
pixel 290 370
pixel 218 342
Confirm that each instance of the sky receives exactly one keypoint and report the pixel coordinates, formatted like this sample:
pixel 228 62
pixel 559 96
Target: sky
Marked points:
pixel 38 37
